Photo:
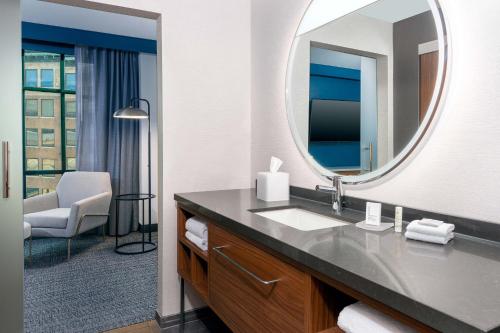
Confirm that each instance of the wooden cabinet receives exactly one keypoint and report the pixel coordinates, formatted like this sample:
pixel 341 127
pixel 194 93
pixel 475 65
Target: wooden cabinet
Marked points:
pixel 252 290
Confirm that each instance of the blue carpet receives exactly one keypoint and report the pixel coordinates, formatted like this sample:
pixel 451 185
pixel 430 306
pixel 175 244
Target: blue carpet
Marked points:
pixel 96 290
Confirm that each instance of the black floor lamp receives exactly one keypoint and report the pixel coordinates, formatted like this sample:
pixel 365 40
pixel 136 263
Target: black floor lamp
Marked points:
pixel 136 113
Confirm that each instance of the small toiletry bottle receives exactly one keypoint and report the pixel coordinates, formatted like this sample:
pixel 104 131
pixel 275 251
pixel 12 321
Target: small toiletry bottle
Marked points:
pixel 398 219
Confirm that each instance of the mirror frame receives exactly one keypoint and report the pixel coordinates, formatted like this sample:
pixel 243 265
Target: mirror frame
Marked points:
pixel 431 115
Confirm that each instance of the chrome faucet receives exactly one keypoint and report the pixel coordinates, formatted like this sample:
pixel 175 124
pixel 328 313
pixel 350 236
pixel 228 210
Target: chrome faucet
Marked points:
pixel 336 191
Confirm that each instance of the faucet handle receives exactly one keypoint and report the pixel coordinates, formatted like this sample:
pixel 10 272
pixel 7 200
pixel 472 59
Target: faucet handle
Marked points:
pixel 337 184
pixel 337 181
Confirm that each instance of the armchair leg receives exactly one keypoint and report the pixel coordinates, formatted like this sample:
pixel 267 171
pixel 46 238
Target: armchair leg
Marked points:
pixel 30 246
pixel 103 232
pixel 69 248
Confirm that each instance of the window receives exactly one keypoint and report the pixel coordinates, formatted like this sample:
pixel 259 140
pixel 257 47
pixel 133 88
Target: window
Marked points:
pixel 69 73
pixel 48 137
pixel 71 138
pixel 47 108
pixel 32 164
pixel 71 163
pixel 48 164
pixel 32 191
pixel 31 107
pixel 70 81
pixel 47 78
pixel 49 119
pixel 31 78
pixel 70 109
pixel 47 190
pixel 32 137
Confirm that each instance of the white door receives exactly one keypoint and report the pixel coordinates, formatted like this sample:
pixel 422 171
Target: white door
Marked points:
pixel 369 114
pixel 11 229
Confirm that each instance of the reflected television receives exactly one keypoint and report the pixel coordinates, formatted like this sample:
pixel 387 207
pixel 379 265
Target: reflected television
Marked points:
pixel 334 121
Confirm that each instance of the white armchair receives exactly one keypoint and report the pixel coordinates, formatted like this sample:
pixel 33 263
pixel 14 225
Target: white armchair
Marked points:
pixel 80 203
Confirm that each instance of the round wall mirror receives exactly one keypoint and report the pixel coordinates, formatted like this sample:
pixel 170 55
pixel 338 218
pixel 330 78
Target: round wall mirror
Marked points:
pixel 364 81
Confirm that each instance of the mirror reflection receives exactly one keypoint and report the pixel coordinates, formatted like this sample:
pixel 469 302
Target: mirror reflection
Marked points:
pixel 360 85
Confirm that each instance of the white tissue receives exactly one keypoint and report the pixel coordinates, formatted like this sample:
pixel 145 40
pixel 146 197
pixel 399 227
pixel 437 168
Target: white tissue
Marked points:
pixel 273 185
pixel 275 164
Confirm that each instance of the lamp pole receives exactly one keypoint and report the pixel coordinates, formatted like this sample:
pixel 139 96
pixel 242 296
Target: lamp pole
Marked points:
pixel 149 155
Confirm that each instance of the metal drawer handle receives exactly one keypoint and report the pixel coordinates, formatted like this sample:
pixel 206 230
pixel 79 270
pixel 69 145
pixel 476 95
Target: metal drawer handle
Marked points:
pixel 5 169
pixel 218 249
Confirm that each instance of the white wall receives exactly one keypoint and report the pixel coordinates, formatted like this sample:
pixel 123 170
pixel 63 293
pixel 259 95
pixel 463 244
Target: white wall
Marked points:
pixel 456 170
pixel 334 58
pixel 204 109
pixel 44 12
pixel 148 90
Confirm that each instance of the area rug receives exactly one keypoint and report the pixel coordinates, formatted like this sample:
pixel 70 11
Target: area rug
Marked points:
pixel 96 290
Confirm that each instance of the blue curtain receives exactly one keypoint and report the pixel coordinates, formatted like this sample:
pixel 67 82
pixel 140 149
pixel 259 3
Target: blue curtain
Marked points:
pixel 106 81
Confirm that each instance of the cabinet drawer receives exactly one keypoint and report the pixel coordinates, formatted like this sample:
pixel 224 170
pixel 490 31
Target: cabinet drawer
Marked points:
pixel 251 290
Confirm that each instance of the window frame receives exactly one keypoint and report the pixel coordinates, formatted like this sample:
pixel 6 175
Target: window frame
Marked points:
pixel 53 107
pixel 25 72
pixel 70 115
pixel 37 108
pixel 26 136
pixel 47 70
pixel 66 79
pixel 61 90
pixel 37 163
pixel 48 131
pixel 53 163
pixel 67 136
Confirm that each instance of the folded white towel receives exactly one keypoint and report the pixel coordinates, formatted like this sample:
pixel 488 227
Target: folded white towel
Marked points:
pixel 197 227
pixel 202 244
pixel 443 230
pixel 430 222
pixel 360 318
pixel 429 238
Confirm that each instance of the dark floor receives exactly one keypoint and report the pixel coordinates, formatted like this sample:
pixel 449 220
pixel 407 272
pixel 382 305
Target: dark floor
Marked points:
pixel 212 325
pixel 209 325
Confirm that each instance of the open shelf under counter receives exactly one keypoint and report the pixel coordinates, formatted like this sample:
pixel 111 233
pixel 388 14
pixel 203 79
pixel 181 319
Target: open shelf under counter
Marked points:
pixel 192 262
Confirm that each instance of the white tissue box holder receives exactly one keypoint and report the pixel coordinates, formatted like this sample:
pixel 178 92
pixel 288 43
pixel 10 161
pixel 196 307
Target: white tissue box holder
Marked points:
pixel 273 186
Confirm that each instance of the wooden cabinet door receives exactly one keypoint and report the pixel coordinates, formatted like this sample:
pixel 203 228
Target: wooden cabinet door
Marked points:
pixel 251 290
pixel 428 75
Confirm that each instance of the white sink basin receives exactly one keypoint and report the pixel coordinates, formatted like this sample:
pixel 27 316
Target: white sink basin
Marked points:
pixel 301 219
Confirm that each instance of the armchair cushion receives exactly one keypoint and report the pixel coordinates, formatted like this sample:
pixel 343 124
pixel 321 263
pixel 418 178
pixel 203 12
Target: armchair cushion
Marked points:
pixel 78 185
pixel 41 202
pixel 95 205
pixel 53 218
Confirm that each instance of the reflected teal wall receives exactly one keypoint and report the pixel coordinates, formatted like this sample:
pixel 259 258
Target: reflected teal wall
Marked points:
pixel 335 83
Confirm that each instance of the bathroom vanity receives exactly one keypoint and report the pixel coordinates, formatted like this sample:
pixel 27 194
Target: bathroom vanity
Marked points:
pixel 263 276
pixel 364 84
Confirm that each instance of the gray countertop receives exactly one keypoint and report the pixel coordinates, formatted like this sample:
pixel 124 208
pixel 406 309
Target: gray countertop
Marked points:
pixel 452 288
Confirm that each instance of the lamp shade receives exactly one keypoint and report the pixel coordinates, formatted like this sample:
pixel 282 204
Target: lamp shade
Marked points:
pixel 130 112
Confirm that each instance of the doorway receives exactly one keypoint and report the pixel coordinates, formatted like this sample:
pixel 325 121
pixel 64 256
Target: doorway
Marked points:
pixel 80 284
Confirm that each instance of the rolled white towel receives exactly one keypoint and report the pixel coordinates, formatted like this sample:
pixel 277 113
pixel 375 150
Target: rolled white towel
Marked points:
pixel 443 230
pixel 360 318
pixel 202 244
pixel 197 227
pixel 429 238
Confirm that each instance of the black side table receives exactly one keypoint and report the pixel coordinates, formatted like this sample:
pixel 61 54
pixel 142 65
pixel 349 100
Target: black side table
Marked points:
pixel 134 197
